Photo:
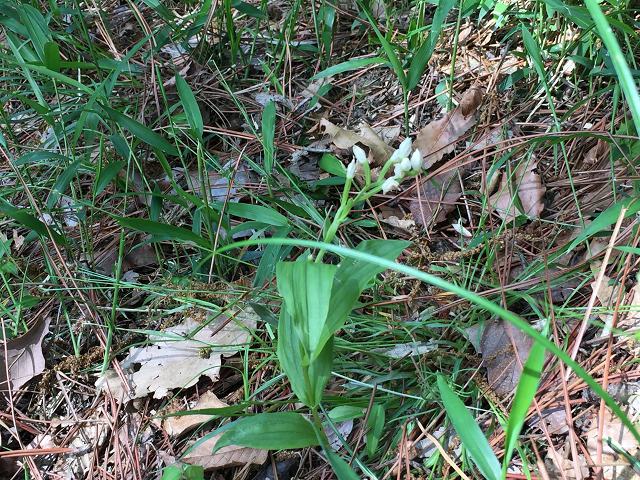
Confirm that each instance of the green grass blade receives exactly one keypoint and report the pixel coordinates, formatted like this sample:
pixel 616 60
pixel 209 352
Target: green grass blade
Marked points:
pixel 348 66
pixel 253 212
pixel 52 56
pixel 190 105
pixel 162 231
pixel 268 134
pixel 421 58
pixel 63 182
pixel 469 432
pixel 628 84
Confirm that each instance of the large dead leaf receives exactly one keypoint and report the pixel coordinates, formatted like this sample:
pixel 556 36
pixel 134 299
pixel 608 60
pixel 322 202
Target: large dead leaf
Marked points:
pixel 379 151
pixel 176 425
pixel 498 345
pixel 177 357
pixel 438 197
pixel 23 357
pixel 615 465
pixel 529 189
pixel 229 456
pixel 438 138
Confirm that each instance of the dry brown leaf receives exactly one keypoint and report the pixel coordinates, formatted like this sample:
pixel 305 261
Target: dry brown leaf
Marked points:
pixel 23 357
pixel 498 353
pixel 566 469
pixel 614 465
pixel 438 197
pixel 178 357
pixel 180 424
pixel 438 138
pixel 379 151
pixel 229 456
pixel 530 193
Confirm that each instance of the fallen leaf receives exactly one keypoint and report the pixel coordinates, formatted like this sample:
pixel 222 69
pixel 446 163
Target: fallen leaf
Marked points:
pixel 177 425
pixel 23 357
pixel 379 151
pixel 498 345
pixel 18 240
pixel 344 428
pixel 177 357
pixel 566 469
pixel 438 138
pixel 530 192
pixel 615 465
pixel 408 349
pixel 229 456
pixel 438 197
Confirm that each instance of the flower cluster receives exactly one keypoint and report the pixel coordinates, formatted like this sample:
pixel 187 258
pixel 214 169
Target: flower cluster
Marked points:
pixel 403 165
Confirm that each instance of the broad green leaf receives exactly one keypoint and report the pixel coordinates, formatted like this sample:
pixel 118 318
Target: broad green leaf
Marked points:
pixel 268 132
pixel 607 218
pixel 353 276
pixel 269 431
pixel 162 231
pixel 421 58
pixel 107 174
pixel 270 257
pixel 40 157
pixel 469 432
pixel 29 221
pixel 525 392
pixel 347 66
pixel 248 9
pixel 291 357
pixel 52 56
pixel 306 291
pixel 341 468
pixel 155 209
pixel 190 105
pixel 141 131
pixel 253 212
pixel 375 426
pixel 330 163
pixel 171 473
pixel 62 182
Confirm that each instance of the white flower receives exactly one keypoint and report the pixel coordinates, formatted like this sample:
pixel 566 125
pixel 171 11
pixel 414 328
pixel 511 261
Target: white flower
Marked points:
pixel 402 167
pixel 390 184
pixel 361 157
pixel 351 169
pixel 416 160
pixel 403 151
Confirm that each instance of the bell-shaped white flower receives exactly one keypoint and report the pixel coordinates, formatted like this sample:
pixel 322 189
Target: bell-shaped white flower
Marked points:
pixel 351 169
pixel 403 151
pixel 401 168
pixel 390 184
pixel 416 160
pixel 361 157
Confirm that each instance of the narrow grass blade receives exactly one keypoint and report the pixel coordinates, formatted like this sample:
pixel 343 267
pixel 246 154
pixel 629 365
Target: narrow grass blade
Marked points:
pixel 190 105
pixel 253 212
pixel 269 431
pixel 628 84
pixel 525 393
pixel 52 56
pixel 348 66
pixel 162 231
pixel 421 57
pixel 341 468
pixel 63 182
pixel 469 432
pixel 268 133
pixel 248 9
pixel 107 174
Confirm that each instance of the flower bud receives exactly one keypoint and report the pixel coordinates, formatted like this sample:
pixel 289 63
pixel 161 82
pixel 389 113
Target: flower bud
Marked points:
pixel 351 169
pixel 361 157
pixel 416 160
pixel 403 151
pixel 390 184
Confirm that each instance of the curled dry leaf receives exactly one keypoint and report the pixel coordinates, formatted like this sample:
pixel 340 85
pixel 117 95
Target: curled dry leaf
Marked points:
pixel 498 344
pixel 176 425
pixel 177 357
pixel 379 151
pixel 529 188
pixel 229 456
pixel 438 138
pixel 22 357
pixel 438 197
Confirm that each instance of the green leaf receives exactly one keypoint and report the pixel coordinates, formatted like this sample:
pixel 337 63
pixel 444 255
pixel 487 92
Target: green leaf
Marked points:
pixel 248 9
pixel 253 212
pixel 155 209
pixel 52 56
pixel 605 219
pixel 341 468
pixel 291 357
pixel 162 231
pixel 421 58
pixel 525 392
pixel 268 132
pixel 347 66
pixel 141 131
pixel 469 432
pixel 193 472
pixel 330 163
pixel 62 183
pixel 190 105
pixel 306 291
pixel 269 431
pixel 107 174
pixel 171 473
pixel 29 221
pixel 270 257
pixel 375 427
